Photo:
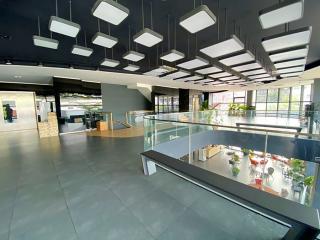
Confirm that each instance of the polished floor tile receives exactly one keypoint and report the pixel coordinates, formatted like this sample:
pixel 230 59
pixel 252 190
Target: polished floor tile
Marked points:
pixel 85 187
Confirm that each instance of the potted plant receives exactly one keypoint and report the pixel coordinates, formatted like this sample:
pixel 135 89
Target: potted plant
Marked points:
pixel 204 105
pixel 245 151
pixel 235 158
pixel 235 171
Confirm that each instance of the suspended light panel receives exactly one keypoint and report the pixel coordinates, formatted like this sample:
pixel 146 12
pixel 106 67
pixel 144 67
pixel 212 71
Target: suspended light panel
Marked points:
pixel 198 19
pixel 109 62
pixel 81 51
pixel 194 63
pixel 209 70
pixel 220 75
pixel 172 56
pixel 260 76
pixel 104 40
pixel 265 79
pixel 228 46
pixel 290 39
pixel 134 56
pixel 254 72
pixel 178 74
pixel 190 79
pixel 241 58
pixel 291 63
pixel 250 66
pixel 110 11
pixel 147 37
pixel 295 74
pixel 291 69
pixel 63 26
pixel 160 71
pixel 45 42
pixel 237 81
pixel 290 54
pixel 229 78
pixel 131 68
pixel 284 12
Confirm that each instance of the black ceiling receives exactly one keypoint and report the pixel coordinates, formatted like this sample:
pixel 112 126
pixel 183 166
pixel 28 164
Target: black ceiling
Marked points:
pixel 18 20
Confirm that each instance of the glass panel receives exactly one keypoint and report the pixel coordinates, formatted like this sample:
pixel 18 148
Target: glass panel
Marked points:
pixel 240 94
pixel 273 95
pixel 260 106
pixel 296 94
pixel 284 95
pixel 283 106
pixel 261 95
pixel 272 106
pixel 295 106
pixel 307 93
pixel 254 94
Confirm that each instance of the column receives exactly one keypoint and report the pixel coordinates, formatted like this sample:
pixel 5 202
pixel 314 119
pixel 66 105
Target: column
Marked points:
pixel 183 100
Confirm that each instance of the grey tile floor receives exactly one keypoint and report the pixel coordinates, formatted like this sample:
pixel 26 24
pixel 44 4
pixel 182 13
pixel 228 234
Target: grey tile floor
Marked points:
pixel 80 187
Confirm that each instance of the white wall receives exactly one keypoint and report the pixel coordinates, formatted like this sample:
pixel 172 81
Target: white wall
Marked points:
pixel 25 107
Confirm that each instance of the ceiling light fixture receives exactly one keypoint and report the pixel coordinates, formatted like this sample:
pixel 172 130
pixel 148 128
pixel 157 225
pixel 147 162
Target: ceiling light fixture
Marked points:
pixel 209 70
pixel 63 26
pixel 284 12
pixel 110 11
pixel 172 56
pixel 225 47
pixel 198 19
pixel 43 41
pixel 191 79
pixel 147 37
pixel 131 68
pixel 220 75
pixel 265 79
pixel 250 66
pixel 291 63
pixel 160 71
pixel 300 52
pixel 241 58
pixel 295 74
pixel 109 62
pixel 178 74
pixel 291 69
pixel 259 76
pixel 104 40
pixel 289 39
pixel 134 56
pixel 81 51
pixel 194 63
pixel 229 78
pixel 254 72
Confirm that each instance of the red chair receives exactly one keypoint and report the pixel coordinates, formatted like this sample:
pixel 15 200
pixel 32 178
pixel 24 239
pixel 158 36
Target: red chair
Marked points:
pixel 264 161
pixel 253 162
pixel 258 182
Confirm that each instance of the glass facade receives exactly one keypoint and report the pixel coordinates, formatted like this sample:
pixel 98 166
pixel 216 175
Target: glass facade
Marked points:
pixel 282 102
pixel 222 100
pixel 166 104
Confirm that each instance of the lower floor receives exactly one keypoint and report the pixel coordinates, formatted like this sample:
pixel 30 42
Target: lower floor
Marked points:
pixel 78 186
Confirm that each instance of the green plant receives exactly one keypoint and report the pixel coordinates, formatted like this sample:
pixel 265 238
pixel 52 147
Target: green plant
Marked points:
pixel 245 151
pixel 298 166
pixel 235 171
pixel 308 181
pixel 204 105
pixel 235 157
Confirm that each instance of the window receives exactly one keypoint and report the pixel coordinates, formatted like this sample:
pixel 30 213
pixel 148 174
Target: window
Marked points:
pixel 166 104
pixel 283 102
pixel 222 100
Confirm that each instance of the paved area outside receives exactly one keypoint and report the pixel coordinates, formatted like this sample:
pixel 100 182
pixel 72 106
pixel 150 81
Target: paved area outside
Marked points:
pixel 87 187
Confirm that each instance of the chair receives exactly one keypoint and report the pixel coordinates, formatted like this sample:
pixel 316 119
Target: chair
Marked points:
pixel 297 188
pixel 270 172
pixel 258 182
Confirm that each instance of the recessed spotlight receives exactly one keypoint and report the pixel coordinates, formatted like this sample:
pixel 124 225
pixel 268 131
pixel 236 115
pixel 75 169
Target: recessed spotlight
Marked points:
pixel 110 11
